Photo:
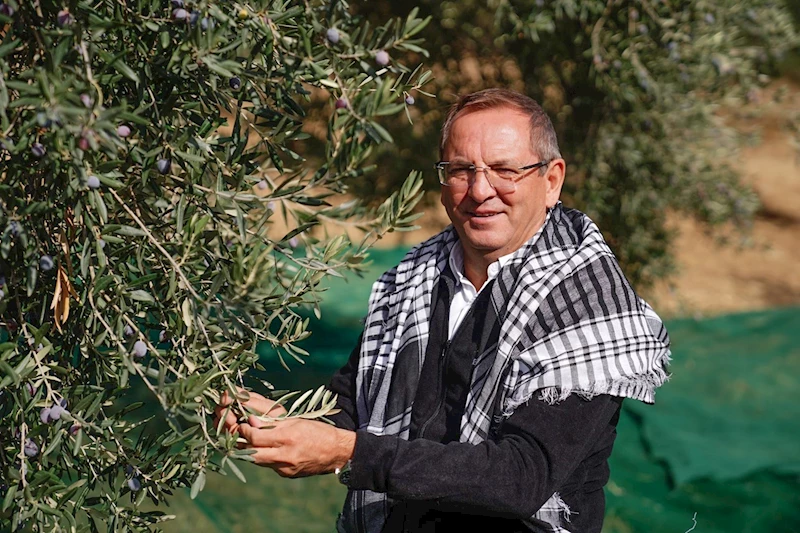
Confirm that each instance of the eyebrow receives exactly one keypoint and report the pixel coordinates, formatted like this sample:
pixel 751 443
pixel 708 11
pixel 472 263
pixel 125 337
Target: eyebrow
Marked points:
pixel 498 163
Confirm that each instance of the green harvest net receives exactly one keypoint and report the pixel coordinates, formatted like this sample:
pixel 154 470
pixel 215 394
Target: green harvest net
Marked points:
pixel 719 444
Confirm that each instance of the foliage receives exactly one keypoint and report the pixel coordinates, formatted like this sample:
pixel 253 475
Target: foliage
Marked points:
pixel 158 222
pixel 634 89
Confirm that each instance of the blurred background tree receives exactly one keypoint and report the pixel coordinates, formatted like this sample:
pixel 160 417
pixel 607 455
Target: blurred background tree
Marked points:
pixel 634 89
pixel 155 218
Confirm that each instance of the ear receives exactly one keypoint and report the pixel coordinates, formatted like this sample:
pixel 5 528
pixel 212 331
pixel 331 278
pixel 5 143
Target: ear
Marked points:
pixel 554 180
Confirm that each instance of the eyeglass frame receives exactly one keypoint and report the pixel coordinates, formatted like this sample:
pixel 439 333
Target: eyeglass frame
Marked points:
pixel 441 165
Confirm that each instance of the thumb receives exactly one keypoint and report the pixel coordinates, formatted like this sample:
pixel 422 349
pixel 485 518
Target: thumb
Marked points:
pixel 256 422
pixel 247 432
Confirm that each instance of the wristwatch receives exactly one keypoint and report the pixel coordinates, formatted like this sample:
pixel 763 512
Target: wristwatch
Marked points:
pixel 343 473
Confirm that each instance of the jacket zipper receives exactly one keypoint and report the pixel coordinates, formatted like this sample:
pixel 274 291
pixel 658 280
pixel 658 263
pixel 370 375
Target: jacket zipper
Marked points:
pixel 440 390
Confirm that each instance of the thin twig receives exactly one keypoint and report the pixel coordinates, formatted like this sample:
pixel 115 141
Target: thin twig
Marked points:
pixel 158 246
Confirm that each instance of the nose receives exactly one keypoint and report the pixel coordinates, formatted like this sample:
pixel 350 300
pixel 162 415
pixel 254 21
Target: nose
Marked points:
pixel 481 188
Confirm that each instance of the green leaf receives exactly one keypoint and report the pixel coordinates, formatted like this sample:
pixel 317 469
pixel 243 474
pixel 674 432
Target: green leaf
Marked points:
pixel 142 296
pixel 130 231
pixel 9 47
pixel 9 498
pixel 33 274
pixel 236 472
pixel 126 71
pixel 198 484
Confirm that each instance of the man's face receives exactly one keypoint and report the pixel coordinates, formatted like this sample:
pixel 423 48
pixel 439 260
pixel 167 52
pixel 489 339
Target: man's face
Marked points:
pixel 490 224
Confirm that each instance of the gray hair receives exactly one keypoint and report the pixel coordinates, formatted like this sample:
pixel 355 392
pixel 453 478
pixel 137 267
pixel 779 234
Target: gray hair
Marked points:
pixel 543 136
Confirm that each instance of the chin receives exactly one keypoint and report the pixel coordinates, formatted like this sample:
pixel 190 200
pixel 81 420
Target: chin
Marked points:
pixel 483 245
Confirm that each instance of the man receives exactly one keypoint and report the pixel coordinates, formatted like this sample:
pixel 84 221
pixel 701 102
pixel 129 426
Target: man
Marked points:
pixel 487 385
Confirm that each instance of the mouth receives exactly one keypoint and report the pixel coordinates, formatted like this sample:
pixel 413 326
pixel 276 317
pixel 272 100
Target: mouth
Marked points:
pixel 483 214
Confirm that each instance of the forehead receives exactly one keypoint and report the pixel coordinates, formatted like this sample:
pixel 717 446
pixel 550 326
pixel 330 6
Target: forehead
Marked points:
pixel 489 132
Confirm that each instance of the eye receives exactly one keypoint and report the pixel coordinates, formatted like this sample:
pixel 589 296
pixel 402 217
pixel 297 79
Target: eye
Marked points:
pixel 458 170
pixel 506 173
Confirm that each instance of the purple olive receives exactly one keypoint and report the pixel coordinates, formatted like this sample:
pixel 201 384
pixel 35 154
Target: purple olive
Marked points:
pixel 193 17
pixel 332 35
pixel 134 484
pixel 235 83
pixel 293 242
pixel 30 388
pixel 410 100
pixel 709 18
pixel 55 412
pixel 139 349
pixel 101 243
pixel 341 103
pixel 63 18
pixel 382 58
pixel 163 165
pixel 128 331
pixel 46 263
pixel 179 14
pixel 87 100
pixel 37 149
pixel 31 448
pixel 44 415
pixel 74 428
pixel 63 403
pixel 83 144
pixel 262 185
pixel 93 182
pixel 6 10
pixel 177 3
pixel 206 23
pixel 162 335
pixel 123 130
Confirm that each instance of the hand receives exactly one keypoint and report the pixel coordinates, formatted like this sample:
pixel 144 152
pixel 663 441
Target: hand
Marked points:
pixel 256 402
pixel 298 447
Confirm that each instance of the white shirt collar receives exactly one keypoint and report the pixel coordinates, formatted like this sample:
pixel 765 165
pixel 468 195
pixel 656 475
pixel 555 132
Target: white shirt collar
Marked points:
pixel 456 261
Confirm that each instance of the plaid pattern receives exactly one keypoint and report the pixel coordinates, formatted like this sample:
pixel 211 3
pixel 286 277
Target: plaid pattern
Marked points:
pixel 571 323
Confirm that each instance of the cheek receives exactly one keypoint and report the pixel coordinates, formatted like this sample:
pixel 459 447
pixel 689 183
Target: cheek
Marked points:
pixel 450 200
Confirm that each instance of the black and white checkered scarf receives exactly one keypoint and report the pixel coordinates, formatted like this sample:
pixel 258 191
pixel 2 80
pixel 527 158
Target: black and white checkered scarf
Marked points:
pixel 572 324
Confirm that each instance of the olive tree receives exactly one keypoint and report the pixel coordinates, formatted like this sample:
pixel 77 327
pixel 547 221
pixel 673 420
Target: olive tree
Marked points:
pixel 158 221
pixel 634 89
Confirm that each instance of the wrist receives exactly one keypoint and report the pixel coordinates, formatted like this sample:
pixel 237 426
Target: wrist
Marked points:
pixel 346 443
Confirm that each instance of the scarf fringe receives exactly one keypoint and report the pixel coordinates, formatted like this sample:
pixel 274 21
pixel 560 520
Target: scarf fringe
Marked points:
pixel 641 388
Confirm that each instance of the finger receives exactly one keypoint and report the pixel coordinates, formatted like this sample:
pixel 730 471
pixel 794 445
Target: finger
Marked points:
pixel 230 422
pixel 271 458
pixel 257 422
pixel 225 399
pixel 258 437
pixel 243 395
pixel 253 400
pixel 263 405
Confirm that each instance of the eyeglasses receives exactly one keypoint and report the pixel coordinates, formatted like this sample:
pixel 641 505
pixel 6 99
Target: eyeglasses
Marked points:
pixel 502 178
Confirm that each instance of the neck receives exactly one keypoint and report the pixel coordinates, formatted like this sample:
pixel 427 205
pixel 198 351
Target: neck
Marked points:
pixel 476 268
